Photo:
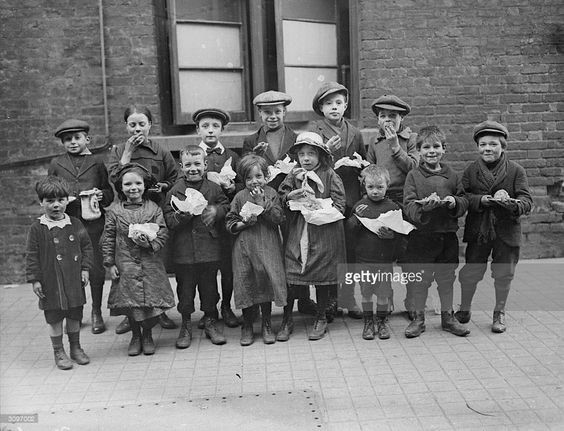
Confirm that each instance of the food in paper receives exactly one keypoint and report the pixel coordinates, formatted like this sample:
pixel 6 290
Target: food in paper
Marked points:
pixel 250 209
pixel 391 219
pixel 355 161
pixel 225 176
pixel 432 197
pixel 501 195
pixel 316 211
pixel 194 204
pixel 280 167
pixel 149 230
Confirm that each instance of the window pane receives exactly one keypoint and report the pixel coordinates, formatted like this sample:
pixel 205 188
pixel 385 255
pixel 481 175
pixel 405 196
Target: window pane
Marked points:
pixel 302 83
pixel 210 88
pixel 209 10
pixel 203 45
pixel 308 43
pixel 316 10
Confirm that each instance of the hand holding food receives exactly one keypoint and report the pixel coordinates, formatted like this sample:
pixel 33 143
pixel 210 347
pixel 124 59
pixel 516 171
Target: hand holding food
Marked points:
pixel 501 195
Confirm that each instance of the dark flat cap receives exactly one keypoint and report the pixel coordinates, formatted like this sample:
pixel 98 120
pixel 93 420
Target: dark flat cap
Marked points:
pixel 269 98
pixel 72 125
pixel 489 126
pixel 211 112
pixel 391 103
pixel 310 138
pixel 325 90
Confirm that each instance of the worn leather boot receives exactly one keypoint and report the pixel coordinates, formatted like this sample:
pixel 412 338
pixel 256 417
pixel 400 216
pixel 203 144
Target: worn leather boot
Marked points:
pixel 368 333
pixel 417 325
pixel 123 326
pixel 185 335
pixel 148 343
pixel 318 330
pixel 307 306
pixel 98 325
pixel 268 336
pixel 202 322
pixel 450 324
pixel 247 334
pixel 463 316
pixel 331 310
pixel 286 329
pixel 166 322
pixel 135 347
pixel 228 316
pixel 61 359
pixel 498 324
pixel 383 327
pixel 76 353
pixel 213 332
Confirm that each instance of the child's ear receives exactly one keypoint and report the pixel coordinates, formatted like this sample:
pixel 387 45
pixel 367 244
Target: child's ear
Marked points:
pixel 88 139
pixel 205 165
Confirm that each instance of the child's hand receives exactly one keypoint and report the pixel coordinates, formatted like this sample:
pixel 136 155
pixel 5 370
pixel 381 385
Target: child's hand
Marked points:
pixel 142 241
pixel 209 214
pixel 385 233
pixel 114 272
pixel 84 277
pixel 251 220
pixel 433 201
pixel 134 141
pixel 230 188
pixel 260 147
pixel 38 289
pixel 334 143
pixel 258 195
pixel 99 193
pixel 451 202
pixel 159 188
pixel 392 136
pixel 486 201
pixel 360 209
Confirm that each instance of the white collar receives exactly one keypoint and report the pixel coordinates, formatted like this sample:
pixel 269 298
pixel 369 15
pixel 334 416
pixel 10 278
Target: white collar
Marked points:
pixel 54 223
pixel 206 147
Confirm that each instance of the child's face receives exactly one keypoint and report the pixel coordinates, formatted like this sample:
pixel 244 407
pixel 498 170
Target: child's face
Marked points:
pixel 333 106
pixel 75 142
pixel 55 207
pixel 272 116
pixel 133 186
pixel 392 117
pixel 432 151
pixel 193 166
pixel 489 147
pixel 308 157
pixel 375 188
pixel 138 124
pixel 255 178
pixel 209 129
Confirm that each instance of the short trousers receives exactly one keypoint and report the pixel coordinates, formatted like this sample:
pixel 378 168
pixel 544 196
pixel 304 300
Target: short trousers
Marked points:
pixel 56 316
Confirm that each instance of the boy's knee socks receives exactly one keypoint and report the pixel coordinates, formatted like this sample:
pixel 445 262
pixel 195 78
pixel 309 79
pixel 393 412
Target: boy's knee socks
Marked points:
pixel 501 293
pixel 57 342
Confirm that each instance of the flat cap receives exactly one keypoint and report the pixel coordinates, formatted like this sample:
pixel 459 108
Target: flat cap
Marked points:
pixel 72 125
pixel 310 138
pixel 325 90
pixel 391 103
pixel 269 98
pixel 489 126
pixel 211 112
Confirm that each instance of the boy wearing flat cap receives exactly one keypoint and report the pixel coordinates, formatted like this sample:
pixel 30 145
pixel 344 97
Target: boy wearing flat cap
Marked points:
pixel 85 171
pixel 498 193
pixel 210 123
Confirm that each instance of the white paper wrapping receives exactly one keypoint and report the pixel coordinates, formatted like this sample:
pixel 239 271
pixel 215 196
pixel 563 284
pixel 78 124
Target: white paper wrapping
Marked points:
pixel 148 229
pixel 280 167
pixel 355 162
pixel 194 204
pixel 225 176
pixel 249 209
pixel 317 211
pixel 391 219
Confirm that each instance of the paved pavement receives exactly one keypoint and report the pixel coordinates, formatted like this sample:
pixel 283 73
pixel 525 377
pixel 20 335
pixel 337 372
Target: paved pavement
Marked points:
pixel 486 381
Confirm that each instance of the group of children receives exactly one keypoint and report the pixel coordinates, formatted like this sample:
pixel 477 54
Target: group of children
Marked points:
pixel 243 223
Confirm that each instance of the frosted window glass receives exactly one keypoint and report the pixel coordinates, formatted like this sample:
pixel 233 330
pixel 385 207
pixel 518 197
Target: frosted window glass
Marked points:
pixel 201 89
pixel 202 45
pixel 302 83
pixel 309 43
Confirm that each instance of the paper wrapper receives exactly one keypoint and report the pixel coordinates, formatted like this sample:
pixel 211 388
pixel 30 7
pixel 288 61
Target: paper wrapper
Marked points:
pixel 303 176
pixel 225 176
pixel 249 209
pixel 317 211
pixel 280 167
pixel 428 198
pixel 148 229
pixel 391 219
pixel 355 161
pixel 194 204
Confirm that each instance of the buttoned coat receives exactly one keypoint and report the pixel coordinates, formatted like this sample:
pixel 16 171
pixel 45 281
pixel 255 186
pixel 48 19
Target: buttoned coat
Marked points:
pixel 251 142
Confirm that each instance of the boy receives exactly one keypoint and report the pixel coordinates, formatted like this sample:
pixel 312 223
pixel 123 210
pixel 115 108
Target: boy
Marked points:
pixel 85 171
pixel 394 149
pixel 210 123
pixel 343 139
pixel 433 201
pixel 373 248
pixel 58 260
pixel 498 192
pixel 196 246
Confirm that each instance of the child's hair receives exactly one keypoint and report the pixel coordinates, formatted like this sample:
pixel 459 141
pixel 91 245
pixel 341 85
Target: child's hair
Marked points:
pixel 148 179
pixel 324 158
pixel 430 132
pixel 248 162
pixel 192 150
pixel 137 109
pixel 52 187
pixel 374 173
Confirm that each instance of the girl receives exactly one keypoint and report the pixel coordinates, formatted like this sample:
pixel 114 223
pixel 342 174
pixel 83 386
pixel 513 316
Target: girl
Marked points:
pixel 258 270
pixel 312 252
pixel 140 289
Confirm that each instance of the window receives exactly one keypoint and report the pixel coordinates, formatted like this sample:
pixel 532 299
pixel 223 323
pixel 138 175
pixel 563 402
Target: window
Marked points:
pixel 224 52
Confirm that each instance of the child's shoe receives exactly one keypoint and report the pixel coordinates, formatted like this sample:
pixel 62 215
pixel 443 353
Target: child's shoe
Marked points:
pixel 185 335
pixel 450 324
pixel 202 322
pixel 318 330
pixel 383 328
pixel 463 316
pixel 417 326
pixel 135 347
pixel 166 322
pixel 368 332
pixel 148 343
pixel 212 332
pixel 286 328
pixel 331 310
pixel 61 359
pixel 498 325
pixel 247 334
pixel 123 326
pixel 76 352
pixel 267 335
pixel 307 306
pixel 228 316
pixel 98 325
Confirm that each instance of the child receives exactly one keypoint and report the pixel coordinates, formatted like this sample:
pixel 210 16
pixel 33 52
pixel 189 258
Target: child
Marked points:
pixel 85 171
pixel 196 246
pixel 210 123
pixel 374 248
pixel 258 267
pixel 394 149
pixel 498 191
pixel 343 139
pixel 325 245
pixel 274 139
pixel 59 256
pixel 140 149
pixel 433 201
pixel 140 288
